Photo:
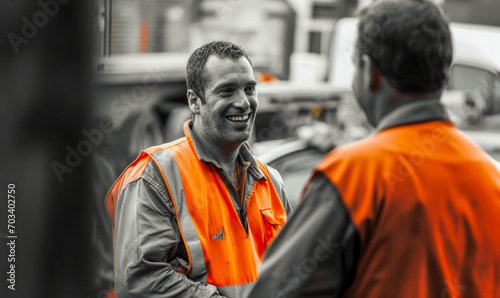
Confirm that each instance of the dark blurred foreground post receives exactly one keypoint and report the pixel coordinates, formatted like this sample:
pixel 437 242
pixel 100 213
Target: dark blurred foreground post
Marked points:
pixel 44 85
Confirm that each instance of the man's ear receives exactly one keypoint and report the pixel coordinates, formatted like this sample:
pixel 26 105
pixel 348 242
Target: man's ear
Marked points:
pixel 194 101
pixel 371 74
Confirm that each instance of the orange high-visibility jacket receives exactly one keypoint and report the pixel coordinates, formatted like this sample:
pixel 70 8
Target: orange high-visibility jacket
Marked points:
pixel 425 202
pixel 220 251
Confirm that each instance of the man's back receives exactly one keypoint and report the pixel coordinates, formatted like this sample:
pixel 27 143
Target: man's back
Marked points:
pixel 425 202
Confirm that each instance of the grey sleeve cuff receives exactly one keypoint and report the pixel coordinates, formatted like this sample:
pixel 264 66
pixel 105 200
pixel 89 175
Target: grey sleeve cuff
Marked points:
pixel 207 291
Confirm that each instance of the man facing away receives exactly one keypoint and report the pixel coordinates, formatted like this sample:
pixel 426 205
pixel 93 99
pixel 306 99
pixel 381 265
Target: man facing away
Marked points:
pixel 414 209
pixel 193 217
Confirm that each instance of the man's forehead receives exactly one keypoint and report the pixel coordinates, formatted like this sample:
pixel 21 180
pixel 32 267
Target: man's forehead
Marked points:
pixel 217 64
pixel 228 69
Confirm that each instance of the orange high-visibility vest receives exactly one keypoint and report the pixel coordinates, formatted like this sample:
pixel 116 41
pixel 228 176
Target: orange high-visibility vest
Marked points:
pixel 425 202
pixel 220 252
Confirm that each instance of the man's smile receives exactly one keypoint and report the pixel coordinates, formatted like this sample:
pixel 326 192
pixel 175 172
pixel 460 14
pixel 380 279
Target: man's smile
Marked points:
pixel 238 118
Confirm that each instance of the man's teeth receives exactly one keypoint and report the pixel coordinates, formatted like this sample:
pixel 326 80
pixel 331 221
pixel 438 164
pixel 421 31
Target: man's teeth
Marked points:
pixel 238 118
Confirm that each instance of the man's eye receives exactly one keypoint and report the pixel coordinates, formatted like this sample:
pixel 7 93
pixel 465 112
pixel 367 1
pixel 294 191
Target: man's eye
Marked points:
pixel 250 89
pixel 226 92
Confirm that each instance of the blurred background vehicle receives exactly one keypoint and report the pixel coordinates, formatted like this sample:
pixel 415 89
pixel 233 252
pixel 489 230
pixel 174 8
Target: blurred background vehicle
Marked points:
pixel 307 45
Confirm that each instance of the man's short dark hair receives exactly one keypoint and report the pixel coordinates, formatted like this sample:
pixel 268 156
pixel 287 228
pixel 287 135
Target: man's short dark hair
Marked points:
pixel 195 70
pixel 409 41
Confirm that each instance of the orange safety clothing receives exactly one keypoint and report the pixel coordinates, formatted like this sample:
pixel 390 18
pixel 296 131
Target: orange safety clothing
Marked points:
pixel 425 202
pixel 221 250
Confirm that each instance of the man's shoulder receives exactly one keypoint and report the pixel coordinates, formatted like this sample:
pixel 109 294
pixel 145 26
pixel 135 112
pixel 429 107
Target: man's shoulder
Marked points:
pixel 272 171
pixel 166 146
pixel 131 174
pixel 139 166
pixel 142 166
pixel 362 154
pixel 357 149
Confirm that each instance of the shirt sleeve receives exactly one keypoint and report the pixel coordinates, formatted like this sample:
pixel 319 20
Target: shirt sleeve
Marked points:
pixel 146 232
pixel 316 252
pixel 279 185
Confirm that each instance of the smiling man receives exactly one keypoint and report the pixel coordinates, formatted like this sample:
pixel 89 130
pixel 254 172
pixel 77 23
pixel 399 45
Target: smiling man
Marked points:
pixel 193 217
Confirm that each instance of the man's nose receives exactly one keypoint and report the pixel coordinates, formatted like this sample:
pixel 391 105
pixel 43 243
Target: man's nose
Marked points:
pixel 242 101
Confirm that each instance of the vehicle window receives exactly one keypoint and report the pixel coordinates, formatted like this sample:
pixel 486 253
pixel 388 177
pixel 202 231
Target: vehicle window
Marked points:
pixel 149 26
pixel 496 94
pixel 469 78
pixel 296 169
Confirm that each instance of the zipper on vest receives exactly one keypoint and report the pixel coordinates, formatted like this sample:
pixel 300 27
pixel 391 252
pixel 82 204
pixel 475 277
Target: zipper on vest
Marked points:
pixel 247 203
pixel 241 214
pixel 245 225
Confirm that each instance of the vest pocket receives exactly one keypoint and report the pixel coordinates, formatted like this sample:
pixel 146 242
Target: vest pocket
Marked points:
pixel 273 223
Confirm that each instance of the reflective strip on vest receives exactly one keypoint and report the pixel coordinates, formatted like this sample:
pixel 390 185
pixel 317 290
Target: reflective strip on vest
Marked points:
pixel 170 171
pixel 237 290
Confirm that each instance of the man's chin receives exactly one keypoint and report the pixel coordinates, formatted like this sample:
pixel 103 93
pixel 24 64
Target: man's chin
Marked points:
pixel 239 138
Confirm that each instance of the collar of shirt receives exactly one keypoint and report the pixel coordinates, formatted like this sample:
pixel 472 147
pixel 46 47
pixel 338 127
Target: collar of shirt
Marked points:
pixel 244 155
pixel 412 113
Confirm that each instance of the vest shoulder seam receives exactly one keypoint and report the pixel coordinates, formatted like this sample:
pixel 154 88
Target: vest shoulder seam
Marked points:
pixel 147 179
pixel 162 190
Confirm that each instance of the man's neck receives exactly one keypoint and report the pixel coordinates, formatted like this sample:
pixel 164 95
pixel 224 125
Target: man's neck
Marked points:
pixel 225 155
pixel 390 99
